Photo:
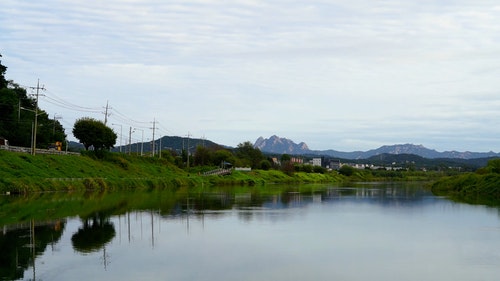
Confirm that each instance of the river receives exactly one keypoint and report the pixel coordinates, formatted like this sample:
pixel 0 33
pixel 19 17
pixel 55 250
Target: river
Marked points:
pixel 371 231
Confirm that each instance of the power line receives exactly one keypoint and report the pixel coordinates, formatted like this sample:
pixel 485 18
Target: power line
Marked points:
pixel 124 117
pixel 70 105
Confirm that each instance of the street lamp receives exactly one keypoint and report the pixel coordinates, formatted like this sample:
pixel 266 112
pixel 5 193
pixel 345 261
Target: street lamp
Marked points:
pixel 121 134
pixel 142 139
pixel 130 140
pixel 33 129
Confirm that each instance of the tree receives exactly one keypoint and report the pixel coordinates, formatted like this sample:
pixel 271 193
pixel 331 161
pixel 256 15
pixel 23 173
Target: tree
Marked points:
pixel 222 156
pixel 347 170
pixel 18 115
pixel 92 132
pixel 265 165
pixel 249 155
pixel 285 157
pixel 3 69
pixel 202 156
pixel 494 165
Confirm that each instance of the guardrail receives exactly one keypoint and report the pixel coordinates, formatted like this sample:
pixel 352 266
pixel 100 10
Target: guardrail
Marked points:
pixel 219 172
pixel 37 151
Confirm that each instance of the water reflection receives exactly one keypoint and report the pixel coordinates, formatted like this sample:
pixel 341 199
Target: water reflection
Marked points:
pixel 95 233
pixel 160 233
pixel 22 243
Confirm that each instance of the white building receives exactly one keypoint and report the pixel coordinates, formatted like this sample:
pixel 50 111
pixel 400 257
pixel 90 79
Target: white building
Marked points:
pixel 316 162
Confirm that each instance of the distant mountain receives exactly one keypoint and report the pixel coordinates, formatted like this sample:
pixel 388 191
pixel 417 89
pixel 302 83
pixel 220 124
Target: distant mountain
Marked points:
pixel 279 145
pixel 169 143
pixel 275 144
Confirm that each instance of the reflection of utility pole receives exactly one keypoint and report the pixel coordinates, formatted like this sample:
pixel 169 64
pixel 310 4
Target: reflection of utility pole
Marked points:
pixel 152 231
pixel 120 229
pixel 33 249
pixel 128 222
pixel 187 218
pixel 104 258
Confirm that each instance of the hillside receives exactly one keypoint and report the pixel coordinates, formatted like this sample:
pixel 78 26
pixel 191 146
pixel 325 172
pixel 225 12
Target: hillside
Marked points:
pixel 168 143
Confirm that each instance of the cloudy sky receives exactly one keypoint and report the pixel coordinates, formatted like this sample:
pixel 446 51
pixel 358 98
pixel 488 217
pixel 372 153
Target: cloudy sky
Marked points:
pixel 337 74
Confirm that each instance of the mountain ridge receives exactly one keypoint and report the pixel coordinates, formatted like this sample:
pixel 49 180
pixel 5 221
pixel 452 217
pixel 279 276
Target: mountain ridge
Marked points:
pixel 276 144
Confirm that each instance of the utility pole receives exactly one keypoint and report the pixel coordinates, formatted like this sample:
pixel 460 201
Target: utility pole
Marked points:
pixel 130 141
pixel 106 113
pixel 36 114
pixel 142 141
pixel 154 128
pixel 159 150
pixel 188 151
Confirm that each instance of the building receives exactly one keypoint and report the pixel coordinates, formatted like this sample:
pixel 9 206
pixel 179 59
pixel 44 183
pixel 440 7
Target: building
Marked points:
pixel 316 162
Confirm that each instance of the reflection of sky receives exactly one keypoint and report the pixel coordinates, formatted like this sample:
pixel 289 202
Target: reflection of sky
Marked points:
pixel 347 238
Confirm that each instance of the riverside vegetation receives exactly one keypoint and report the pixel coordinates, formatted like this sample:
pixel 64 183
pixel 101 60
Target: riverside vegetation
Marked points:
pixel 23 173
pixel 481 187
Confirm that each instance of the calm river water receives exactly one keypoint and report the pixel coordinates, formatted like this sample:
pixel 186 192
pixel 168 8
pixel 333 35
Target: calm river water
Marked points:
pixel 368 232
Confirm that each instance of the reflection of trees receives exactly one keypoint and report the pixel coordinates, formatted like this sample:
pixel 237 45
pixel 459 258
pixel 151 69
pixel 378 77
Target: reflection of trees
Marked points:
pixel 19 247
pixel 95 233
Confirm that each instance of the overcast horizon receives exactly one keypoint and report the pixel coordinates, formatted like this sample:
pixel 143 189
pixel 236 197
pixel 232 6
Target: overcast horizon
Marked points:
pixel 343 75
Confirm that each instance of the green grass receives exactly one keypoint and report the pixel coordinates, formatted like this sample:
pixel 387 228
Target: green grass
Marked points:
pixel 470 187
pixel 22 173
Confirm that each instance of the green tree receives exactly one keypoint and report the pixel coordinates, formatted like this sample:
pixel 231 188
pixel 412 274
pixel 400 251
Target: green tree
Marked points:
pixel 3 69
pixel 307 168
pixel 494 165
pixel 347 170
pixel 265 165
pixel 17 119
pixel 92 132
pixel 285 157
pixel 248 155
pixel 202 156
pixel 319 169
pixel 221 156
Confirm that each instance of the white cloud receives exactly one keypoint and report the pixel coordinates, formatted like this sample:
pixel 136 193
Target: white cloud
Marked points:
pixel 346 75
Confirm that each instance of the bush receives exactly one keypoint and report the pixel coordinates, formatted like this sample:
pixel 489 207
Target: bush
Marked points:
pixel 319 169
pixel 347 170
pixel 265 165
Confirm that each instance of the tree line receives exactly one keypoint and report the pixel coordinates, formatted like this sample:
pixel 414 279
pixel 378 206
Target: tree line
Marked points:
pixel 17 117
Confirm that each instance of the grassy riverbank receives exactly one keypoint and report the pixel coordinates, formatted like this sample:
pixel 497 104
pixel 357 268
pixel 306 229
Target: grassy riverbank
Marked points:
pixel 21 173
pixel 470 187
pixel 481 187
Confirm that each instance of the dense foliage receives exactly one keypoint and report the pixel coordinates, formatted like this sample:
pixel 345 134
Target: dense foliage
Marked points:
pixel 18 114
pixel 3 69
pixel 483 183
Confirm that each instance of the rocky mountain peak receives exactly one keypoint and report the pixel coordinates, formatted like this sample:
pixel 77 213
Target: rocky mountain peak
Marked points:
pixel 275 144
